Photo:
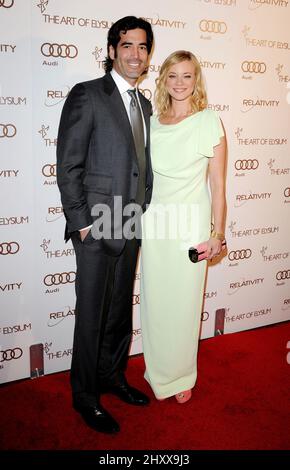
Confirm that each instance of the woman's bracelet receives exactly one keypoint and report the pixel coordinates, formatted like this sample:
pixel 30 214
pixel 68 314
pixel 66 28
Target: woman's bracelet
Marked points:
pixel 219 236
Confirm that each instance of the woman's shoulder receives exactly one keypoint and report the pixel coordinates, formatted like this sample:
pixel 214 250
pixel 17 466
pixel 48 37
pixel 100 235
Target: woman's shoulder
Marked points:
pixel 154 119
pixel 209 113
pixel 210 117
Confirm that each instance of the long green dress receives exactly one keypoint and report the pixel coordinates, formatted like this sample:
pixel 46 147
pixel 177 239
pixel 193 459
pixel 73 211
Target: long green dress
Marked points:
pixel 178 217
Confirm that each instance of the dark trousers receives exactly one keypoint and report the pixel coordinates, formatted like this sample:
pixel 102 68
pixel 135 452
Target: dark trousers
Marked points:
pixel 103 325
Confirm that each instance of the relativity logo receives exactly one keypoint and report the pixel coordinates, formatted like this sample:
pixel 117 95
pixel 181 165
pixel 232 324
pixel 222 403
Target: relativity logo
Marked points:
pixel 248 104
pixel 254 4
pixel 211 65
pixel 136 334
pixel 221 3
pixel 235 286
pixel 55 97
pixel 8 173
pixel 57 317
pixel 54 213
pixel 165 23
pixel 241 199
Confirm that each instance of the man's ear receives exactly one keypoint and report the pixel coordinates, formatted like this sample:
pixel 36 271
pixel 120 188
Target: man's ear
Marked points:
pixel 111 52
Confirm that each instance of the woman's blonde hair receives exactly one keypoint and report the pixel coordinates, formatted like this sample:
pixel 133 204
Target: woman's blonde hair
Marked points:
pixel 162 97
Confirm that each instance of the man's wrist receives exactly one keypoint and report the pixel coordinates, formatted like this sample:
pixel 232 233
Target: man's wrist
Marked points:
pixel 85 228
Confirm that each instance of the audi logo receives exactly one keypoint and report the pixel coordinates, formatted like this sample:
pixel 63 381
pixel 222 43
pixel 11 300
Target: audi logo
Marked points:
pixel 147 93
pixel 59 278
pixel 246 164
pixel 7 130
pixel 59 50
pixel 49 170
pixel 6 3
pixel 287 192
pixel 254 67
pixel 136 299
pixel 204 316
pixel 209 26
pixel 10 354
pixel 9 248
pixel 240 254
pixel 283 275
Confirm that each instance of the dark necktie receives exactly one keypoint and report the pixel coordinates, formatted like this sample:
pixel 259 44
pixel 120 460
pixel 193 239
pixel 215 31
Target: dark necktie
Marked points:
pixel 138 134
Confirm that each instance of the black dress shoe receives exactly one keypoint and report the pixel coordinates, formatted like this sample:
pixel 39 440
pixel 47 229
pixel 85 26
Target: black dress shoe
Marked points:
pixel 97 418
pixel 129 394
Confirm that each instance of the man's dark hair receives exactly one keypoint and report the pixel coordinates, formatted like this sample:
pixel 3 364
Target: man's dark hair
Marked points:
pixel 122 26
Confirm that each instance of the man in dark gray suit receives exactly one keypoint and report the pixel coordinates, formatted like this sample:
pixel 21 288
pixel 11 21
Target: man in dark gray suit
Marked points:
pixel 103 162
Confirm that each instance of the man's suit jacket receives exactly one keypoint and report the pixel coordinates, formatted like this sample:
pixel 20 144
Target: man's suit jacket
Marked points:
pixel 96 156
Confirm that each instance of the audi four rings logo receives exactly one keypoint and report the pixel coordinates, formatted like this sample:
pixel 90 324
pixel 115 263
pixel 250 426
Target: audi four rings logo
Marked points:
pixel 7 130
pixel 60 278
pixel 287 192
pixel 254 67
pixel 9 248
pixel 6 3
pixel 59 50
pixel 146 92
pixel 10 354
pixel 283 275
pixel 240 254
pixel 136 299
pixel 204 316
pixel 49 170
pixel 246 164
pixel 209 26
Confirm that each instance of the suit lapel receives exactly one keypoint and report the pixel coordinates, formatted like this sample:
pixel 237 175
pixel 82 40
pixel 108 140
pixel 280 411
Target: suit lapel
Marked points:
pixel 146 118
pixel 147 111
pixel 118 109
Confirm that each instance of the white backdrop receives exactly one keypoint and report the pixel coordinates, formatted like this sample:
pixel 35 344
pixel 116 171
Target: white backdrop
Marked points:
pixel 46 47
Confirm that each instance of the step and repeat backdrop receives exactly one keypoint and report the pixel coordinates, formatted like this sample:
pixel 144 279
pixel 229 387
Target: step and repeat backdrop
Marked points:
pixel 46 47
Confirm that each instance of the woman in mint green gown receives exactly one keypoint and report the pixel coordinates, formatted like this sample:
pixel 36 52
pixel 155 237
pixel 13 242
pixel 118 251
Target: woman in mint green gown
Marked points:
pixel 187 143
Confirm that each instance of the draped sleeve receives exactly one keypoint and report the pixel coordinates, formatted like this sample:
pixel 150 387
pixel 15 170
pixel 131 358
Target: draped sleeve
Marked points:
pixel 210 133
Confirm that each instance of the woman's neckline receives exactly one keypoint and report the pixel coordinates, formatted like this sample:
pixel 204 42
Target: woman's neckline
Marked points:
pixel 179 122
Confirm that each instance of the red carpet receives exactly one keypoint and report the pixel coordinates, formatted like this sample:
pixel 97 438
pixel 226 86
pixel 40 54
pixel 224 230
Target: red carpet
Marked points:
pixel 241 401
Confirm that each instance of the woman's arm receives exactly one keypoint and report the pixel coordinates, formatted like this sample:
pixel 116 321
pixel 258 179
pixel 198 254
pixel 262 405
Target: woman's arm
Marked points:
pixel 217 185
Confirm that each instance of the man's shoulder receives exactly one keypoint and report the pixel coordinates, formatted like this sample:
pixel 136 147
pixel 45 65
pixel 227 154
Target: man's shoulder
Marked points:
pixel 96 83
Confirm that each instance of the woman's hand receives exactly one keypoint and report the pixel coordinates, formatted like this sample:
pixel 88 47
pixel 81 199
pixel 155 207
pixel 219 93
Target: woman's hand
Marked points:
pixel 214 247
